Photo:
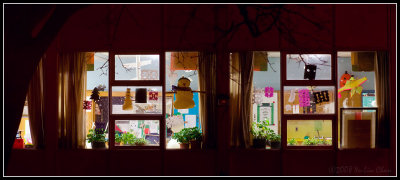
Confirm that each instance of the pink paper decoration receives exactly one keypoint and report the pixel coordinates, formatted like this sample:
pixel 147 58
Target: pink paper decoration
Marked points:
pixel 304 97
pixel 269 91
pixel 153 96
pixel 87 105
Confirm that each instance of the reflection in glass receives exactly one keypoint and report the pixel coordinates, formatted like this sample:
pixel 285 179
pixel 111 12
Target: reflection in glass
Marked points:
pixel 308 66
pixel 309 100
pixel 125 100
pixel 309 132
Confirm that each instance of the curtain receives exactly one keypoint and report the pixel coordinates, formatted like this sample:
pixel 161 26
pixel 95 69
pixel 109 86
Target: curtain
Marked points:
pixel 382 94
pixel 207 83
pixel 241 96
pixel 71 87
pixel 36 107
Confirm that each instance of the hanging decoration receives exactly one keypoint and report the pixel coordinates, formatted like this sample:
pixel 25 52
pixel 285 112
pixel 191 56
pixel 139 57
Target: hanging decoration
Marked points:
pixel 320 97
pixel 128 101
pixel 95 95
pixel 353 85
pixel 153 95
pixel 141 95
pixel 87 105
pixel 257 96
pixel 184 94
pixel 304 97
pixel 344 78
pixel 269 92
pixel 310 71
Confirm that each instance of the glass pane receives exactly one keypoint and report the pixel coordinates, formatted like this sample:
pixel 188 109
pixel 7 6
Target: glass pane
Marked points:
pixel 309 133
pixel 137 100
pixel 180 64
pixel 309 100
pixel 308 66
pixel 266 89
pixel 358 128
pixel 23 138
pixel 137 67
pixel 137 133
pixel 95 105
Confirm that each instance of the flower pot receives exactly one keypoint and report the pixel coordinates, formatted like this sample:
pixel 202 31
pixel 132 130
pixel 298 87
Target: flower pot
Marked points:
pixel 275 144
pixel 98 145
pixel 195 144
pixel 259 143
pixel 118 143
pixel 184 145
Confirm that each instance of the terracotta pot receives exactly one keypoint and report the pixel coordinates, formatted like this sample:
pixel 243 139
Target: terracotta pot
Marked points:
pixel 195 144
pixel 184 145
pixel 259 143
pixel 98 145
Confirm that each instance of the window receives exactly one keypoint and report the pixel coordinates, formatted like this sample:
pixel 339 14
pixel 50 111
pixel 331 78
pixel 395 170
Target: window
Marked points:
pixel 309 99
pixel 137 67
pixel 266 90
pixel 309 132
pixel 23 138
pixel 357 121
pixel 308 66
pixel 181 64
pixel 96 111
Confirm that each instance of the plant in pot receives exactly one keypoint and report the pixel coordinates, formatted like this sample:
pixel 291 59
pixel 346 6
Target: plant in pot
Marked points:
pixel 260 132
pixel 292 142
pixel 195 138
pixel 97 138
pixel 310 142
pixel 182 138
pixel 275 140
pixel 128 138
pixel 118 139
pixel 140 142
pixel 324 142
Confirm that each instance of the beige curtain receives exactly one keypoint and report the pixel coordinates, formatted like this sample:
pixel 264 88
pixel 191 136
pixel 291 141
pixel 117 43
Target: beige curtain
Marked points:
pixel 71 89
pixel 382 94
pixel 36 107
pixel 241 93
pixel 207 83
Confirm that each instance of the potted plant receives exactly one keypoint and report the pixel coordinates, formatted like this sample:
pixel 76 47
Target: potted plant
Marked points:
pixel 97 138
pixel 128 138
pixel 182 138
pixel 292 142
pixel 118 139
pixel 275 140
pixel 310 142
pixel 195 138
pixel 140 141
pixel 260 132
pixel 324 142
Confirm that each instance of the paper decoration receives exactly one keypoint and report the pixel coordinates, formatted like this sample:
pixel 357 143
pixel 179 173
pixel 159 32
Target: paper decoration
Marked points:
pixel 257 96
pixel 296 109
pixel 260 61
pixel 344 78
pixel 128 101
pixel 288 107
pixel 154 127
pixel 176 123
pixel 183 111
pixel 153 95
pixel 184 60
pixel 269 91
pixel 304 97
pixel 320 97
pixel 292 97
pixel 190 121
pixel 362 61
pixel 184 98
pixel 149 75
pixel 352 84
pixel 310 71
pixel 87 105
pixel 90 62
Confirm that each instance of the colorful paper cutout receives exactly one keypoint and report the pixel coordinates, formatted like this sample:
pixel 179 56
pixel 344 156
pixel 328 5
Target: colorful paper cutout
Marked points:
pixel 304 97
pixel 269 91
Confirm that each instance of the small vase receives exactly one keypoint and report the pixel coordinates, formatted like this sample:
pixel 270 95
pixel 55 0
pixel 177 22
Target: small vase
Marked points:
pixel 184 145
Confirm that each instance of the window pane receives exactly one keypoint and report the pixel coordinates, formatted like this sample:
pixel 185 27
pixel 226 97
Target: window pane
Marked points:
pixel 309 100
pixel 137 132
pixel 137 67
pixel 358 128
pixel 23 137
pixel 137 100
pixel 308 66
pixel 266 91
pixel 309 132
pixel 180 64
pixel 360 91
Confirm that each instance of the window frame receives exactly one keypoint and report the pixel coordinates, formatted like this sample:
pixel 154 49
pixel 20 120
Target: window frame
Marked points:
pixel 332 82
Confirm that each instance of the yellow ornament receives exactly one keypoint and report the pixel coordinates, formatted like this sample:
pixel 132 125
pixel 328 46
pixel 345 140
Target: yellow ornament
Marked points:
pixel 184 95
pixel 128 101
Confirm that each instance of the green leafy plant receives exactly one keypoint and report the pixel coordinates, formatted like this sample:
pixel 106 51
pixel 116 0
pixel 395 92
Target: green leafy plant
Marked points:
pixel 194 134
pixel 273 137
pixel 292 142
pixel 324 142
pixel 92 136
pixel 118 138
pixel 310 141
pixel 182 136
pixel 128 138
pixel 140 141
pixel 261 130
